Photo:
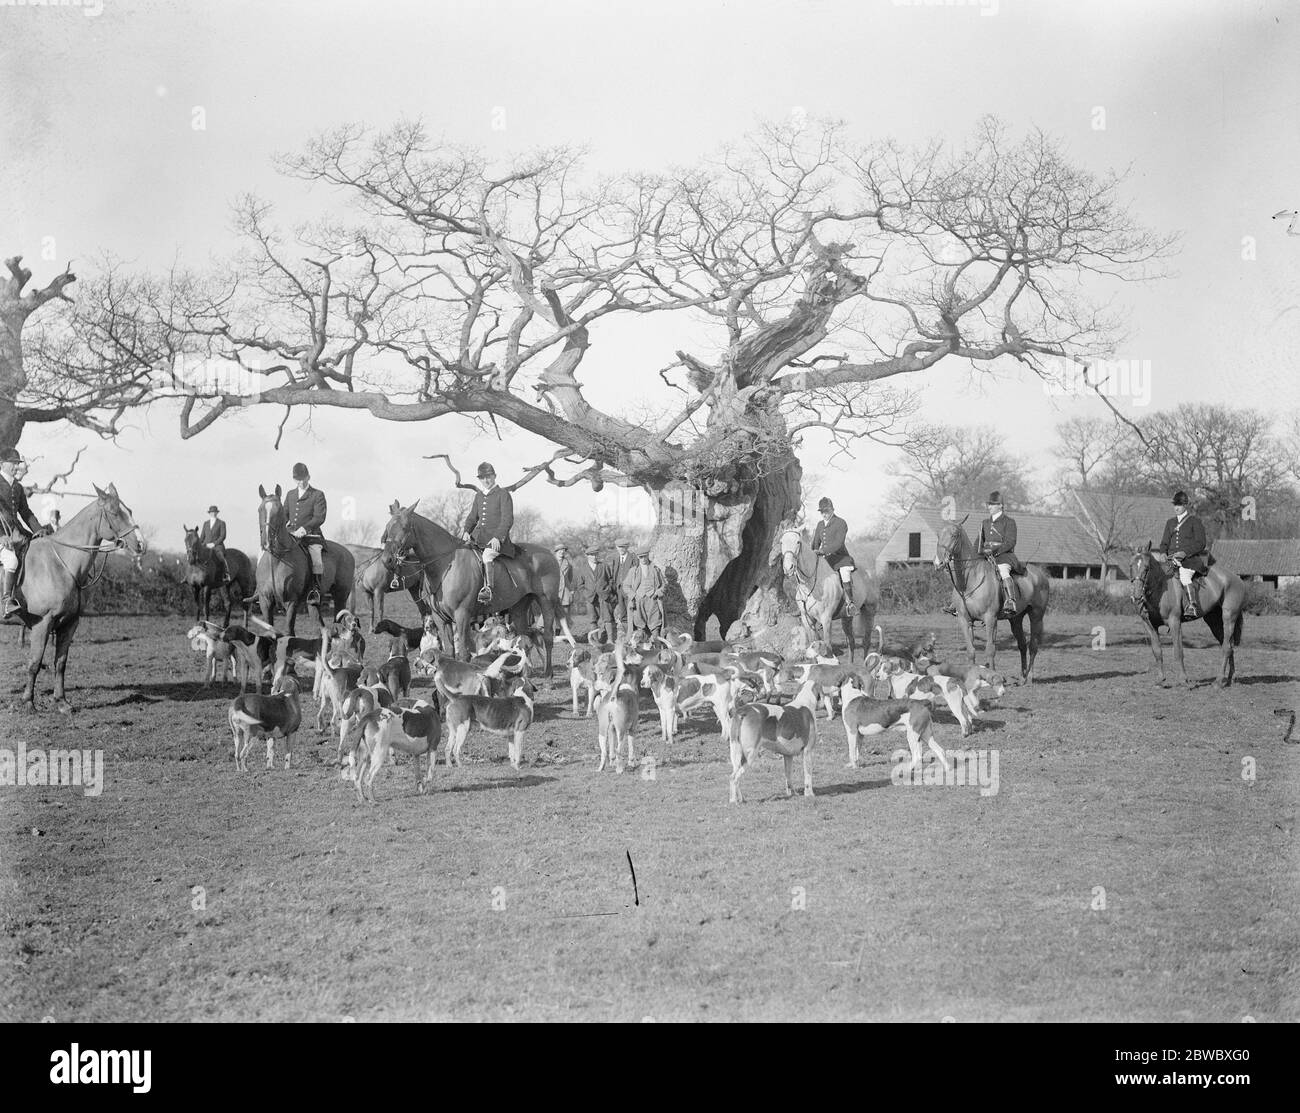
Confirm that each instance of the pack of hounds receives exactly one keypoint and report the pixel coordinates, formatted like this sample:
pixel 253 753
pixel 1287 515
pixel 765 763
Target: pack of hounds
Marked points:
pixel 762 701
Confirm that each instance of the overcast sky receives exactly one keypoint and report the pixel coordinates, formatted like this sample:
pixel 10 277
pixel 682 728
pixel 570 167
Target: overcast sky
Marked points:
pixel 1201 100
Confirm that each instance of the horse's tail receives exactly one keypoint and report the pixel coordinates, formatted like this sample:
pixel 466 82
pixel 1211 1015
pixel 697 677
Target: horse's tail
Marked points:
pixel 880 636
pixel 1236 627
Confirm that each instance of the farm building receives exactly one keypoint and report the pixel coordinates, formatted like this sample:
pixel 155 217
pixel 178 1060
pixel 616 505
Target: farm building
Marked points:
pixel 1270 562
pixel 1058 542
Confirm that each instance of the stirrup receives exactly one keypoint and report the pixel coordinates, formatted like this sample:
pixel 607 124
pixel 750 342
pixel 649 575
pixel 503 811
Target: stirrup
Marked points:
pixel 485 594
pixel 949 608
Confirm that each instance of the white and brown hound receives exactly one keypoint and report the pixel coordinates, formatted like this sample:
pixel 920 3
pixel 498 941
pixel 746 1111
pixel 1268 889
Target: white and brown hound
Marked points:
pixel 512 715
pixel 787 729
pixel 277 715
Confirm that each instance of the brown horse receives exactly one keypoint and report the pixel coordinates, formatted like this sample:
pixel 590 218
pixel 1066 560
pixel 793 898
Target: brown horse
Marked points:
pixel 453 574
pixel 376 581
pixel 205 575
pixel 975 593
pixel 283 567
pixel 1158 597
pixel 58 570
pixel 820 595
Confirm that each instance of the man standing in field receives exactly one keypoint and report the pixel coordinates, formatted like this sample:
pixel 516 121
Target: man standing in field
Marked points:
pixel 606 595
pixel 623 567
pixel 645 588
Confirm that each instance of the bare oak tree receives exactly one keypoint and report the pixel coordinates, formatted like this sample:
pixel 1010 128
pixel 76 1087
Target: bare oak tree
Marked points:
pixel 827 272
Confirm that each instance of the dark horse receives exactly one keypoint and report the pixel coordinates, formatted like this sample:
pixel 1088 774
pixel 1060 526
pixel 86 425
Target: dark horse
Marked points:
pixel 1157 595
pixel 377 581
pixel 283 567
pixel 206 575
pixel 975 593
pixel 58 570
pixel 453 574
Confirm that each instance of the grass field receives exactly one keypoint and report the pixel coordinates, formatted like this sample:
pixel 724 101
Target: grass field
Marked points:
pixel 186 891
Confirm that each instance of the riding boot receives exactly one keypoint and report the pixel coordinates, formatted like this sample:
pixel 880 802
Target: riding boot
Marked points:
pixel 10 604
pixel 485 592
pixel 848 593
pixel 1012 604
pixel 313 587
pixel 1193 607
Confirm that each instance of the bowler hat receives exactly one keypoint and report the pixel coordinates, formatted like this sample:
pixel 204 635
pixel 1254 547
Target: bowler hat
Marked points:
pixel 485 469
pixel 1181 499
pixel 10 456
pixel 300 471
pixel 995 499
pixel 825 504
pixel 213 510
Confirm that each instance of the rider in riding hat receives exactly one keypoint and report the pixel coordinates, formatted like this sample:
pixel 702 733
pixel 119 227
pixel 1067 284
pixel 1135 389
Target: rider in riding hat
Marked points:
pixel 213 536
pixel 1184 543
pixel 18 525
pixel 488 524
pixel 997 540
pixel 828 541
pixel 304 509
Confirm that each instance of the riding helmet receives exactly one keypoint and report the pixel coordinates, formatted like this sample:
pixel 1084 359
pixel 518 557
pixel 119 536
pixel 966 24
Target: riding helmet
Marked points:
pixel 213 510
pixel 485 469
pixel 995 499
pixel 1181 499
pixel 825 504
pixel 300 472
pixel 10 456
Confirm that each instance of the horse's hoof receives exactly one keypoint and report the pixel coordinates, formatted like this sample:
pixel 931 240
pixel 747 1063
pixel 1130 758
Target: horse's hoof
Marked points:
pixel 63 707
pixel 1221 683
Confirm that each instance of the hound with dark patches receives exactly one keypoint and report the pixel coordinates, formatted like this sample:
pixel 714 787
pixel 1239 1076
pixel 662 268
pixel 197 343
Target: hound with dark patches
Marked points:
pixel 336 676
pixel 452 677
pixel 510 716
pixel 864 717
pixel 912 654
pixel 369 695
pixel 217 653
pixel 617 709
pixel 396 675
pixel 786 729
pixel 582 663
pixel 254 654
pixel 302 653
pixel 405 639
pixel 384 732
pixel 277 715
pixel 663 687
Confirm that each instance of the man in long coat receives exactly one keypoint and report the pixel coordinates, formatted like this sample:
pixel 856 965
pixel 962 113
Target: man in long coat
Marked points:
pixel 18 525
pixel 1184 543
pixel 997 540
pixel 828 541
pixel 488 524
pixel 213 536
pixel 305 510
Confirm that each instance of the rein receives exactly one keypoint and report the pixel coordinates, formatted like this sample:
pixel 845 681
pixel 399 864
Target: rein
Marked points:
pixel 118 544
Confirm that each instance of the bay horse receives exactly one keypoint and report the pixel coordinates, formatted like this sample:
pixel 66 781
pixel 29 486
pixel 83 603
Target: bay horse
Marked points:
pixel 820 595
pixel 58 570
pixel 452 573
pixel 975 594
pixel 284 565
pixel 377 581
pixel 1158 597
pixel 205 575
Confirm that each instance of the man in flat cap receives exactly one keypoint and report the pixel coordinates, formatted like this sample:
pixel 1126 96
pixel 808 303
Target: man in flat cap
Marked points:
pixel 624 565
pixel 997 541
pixel 488 524
pixel 18 526
pixel 584 578
pixel 213 538
pixel 1184 543
pixel 304 509
pixel 605 594
pixel 645 591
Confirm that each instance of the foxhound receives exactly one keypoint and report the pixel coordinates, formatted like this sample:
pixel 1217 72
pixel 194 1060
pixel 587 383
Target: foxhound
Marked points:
pixel 512 715
pixel 787 729
pixel 275 715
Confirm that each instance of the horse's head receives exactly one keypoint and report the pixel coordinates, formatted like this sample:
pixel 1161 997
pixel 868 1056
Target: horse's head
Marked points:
pixel 116 520
pixel 270 518
pixel 1141 568
pixel 399 536
pixel 790 540
pixel 191 543
pixel 950 542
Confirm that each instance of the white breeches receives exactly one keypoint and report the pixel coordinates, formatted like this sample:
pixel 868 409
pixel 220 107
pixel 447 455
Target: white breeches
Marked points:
pixel 8 559
pixel 489 555
pixel 1004 570
pixel 1186 575
pixel 846 574
pixel 317 558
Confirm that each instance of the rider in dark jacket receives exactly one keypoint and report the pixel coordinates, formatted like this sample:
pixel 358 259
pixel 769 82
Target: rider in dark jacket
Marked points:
pixel 1184 543
pixel 997 540
pixel 828 542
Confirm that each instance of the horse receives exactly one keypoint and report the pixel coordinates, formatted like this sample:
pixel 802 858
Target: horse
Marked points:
pixel 284 565
pixel 821 598
pixel 452 572
pixel 58 569
pixel 975 594
pixel 377 581
pixel 1157 596
pixel 205 575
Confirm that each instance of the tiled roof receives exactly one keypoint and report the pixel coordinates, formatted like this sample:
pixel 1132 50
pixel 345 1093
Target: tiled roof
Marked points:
pixel 1040 538
pixel 1259 558
pixel 1128 519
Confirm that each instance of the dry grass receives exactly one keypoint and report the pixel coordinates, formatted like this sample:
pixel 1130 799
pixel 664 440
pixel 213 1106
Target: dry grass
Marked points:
pixel 920 902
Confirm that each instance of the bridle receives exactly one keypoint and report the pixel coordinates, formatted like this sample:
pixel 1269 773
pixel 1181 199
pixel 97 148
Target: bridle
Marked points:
pixel 407 546
pixel 118 542
pixel 950 565
pixel 791 550
pixel 264 525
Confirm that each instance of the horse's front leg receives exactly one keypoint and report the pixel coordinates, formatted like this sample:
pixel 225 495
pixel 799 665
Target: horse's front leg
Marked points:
pixel 62 644
pixel 1018 629
pixel 291 615
pixel 462 620
pixel 1035 640
pixel 991 636
pixel 40 636
pixel 965 625
pixel 1176 635
pixel 1153 634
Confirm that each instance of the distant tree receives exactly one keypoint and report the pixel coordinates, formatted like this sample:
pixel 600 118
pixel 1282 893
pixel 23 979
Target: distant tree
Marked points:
pixel 357 532
pixel 939 461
